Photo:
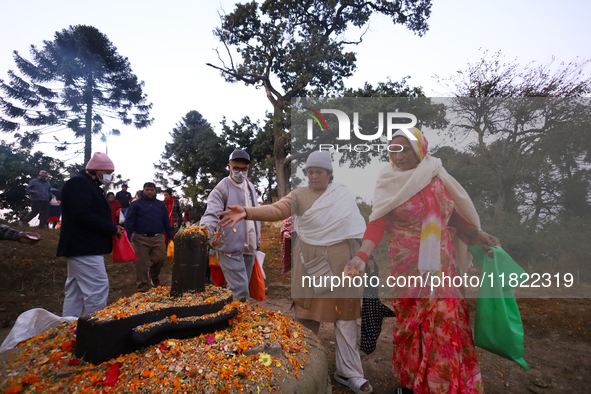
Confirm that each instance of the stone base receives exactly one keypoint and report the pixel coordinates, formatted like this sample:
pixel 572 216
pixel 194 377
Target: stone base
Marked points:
pixel 99 341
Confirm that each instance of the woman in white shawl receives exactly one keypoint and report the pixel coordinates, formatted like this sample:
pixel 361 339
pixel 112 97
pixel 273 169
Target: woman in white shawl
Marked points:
pixel 327 222
pixel 428 219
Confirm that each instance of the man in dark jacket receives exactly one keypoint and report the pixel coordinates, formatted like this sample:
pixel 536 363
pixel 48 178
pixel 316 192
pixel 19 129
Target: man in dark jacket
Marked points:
pixel 38 190
pixel 145 223
pixel 124 198
pixel 86 235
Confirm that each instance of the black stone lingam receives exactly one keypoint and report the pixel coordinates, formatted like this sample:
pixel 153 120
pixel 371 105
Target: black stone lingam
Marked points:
pixel 98 341
pixel 190 264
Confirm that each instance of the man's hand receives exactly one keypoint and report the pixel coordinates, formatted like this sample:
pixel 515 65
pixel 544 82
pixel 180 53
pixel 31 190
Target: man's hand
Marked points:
pixel 119 232
pixel 234 214
pixel 29 238
pixel 355 267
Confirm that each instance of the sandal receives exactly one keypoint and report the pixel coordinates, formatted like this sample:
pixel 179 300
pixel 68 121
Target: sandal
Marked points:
pixel 404 390
pixel 354 384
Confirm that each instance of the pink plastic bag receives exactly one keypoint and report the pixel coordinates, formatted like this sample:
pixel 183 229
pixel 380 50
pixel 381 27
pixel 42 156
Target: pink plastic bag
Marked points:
pixel 122 250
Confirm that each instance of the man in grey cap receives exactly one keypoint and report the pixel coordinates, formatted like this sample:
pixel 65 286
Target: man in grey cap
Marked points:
pixel 38 191
pixel 235 248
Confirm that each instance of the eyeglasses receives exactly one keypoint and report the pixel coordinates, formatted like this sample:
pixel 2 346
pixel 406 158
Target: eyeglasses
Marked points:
pixel 240 169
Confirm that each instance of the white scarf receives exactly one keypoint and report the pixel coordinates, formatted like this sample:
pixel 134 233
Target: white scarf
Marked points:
pixel 333 218
pixel 394 187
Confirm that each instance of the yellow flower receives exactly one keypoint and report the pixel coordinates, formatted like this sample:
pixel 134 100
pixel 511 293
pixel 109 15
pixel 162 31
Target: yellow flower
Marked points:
pixel 265 359
pixel 218 337
pixel 278 364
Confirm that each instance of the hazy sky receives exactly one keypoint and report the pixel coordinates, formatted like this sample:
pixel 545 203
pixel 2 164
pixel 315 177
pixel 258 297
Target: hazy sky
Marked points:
pixel 168 44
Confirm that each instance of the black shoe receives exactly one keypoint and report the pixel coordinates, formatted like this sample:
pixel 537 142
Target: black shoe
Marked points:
pixel 404 390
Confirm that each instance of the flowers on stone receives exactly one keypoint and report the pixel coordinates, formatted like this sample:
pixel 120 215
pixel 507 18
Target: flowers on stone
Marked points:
pixel 229 361
pixel 265 359
pixel 210 339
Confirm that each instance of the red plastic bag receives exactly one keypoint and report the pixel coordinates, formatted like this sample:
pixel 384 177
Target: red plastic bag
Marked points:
pixel 256 287
pixel 122 250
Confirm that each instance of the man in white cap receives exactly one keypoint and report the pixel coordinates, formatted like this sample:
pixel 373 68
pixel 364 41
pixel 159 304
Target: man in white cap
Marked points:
pixel 40 196
pixel 236 248
pixel 86 235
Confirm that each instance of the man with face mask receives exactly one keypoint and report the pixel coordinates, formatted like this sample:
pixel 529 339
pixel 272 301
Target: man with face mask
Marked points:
pixel 86 235
pixel 235 248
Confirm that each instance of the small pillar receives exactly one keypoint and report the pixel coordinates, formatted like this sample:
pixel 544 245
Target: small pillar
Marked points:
pixel 190 263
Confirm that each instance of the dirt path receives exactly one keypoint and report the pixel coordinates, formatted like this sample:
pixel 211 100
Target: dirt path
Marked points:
pixel 558 356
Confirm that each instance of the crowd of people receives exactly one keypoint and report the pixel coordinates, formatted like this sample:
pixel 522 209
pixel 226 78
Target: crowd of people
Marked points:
pixel 429 221
pixel 425 215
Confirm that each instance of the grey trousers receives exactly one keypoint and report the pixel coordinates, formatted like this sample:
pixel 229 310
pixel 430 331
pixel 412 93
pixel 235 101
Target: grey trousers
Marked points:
pixel 87 286
pixel 237 269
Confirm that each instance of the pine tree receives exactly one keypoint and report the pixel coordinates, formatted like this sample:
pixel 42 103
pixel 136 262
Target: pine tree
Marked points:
pixel 74 82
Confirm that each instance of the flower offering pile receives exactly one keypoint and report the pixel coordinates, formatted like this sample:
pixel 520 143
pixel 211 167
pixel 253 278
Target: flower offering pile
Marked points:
pixel 257 351
pixel 145 319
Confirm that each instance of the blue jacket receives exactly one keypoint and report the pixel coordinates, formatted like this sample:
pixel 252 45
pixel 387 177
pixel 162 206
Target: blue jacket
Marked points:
pixel 148 216
pixel 42 189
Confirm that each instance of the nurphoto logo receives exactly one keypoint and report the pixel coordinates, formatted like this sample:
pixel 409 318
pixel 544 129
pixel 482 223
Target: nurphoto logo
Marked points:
pixel 344 123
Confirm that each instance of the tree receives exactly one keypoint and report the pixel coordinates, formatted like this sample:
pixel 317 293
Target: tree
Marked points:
pixel 75 82
pixel 293 48
pixel 258 142
pixel 530 124
pixel 197 153
pixel 18 166
pixel 200 156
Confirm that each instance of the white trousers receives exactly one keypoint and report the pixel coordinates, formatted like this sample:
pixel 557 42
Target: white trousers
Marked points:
pixel 87 286
pixel 347 358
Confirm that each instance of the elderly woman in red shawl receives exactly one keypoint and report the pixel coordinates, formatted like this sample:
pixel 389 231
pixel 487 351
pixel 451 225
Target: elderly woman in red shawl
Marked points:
pixel 429 220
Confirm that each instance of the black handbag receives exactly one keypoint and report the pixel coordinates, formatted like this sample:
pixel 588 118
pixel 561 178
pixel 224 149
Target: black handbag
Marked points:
pixel 373 313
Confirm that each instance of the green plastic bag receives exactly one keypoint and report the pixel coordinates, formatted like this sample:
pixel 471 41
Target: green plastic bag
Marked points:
pixel 498 323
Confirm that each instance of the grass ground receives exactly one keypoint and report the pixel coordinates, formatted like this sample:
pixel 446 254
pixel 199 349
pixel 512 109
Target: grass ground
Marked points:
pixel 557 331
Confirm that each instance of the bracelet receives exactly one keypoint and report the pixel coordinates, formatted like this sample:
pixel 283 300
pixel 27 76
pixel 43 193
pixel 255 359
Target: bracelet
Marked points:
pixel 363 256
pixel 475 233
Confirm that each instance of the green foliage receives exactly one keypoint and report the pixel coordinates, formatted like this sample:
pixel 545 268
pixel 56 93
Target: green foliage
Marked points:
pixel 368 102
pixel 197 158
pixel 296 48
pixel 72 82
pixel 197 153
pixel 258 142
pixel 530 123
pixel 18 166
pixel 528 171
